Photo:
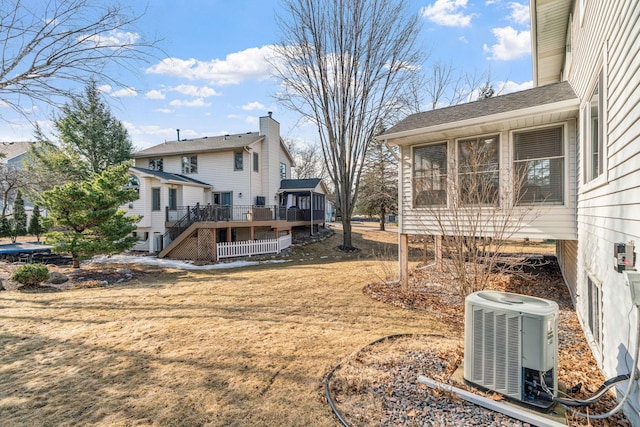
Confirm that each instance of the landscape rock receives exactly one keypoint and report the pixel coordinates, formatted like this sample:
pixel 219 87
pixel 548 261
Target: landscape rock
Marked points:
pixel 57 278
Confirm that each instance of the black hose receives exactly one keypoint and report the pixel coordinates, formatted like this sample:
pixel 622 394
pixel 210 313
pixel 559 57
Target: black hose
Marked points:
pixel 595 396
pixel 327 392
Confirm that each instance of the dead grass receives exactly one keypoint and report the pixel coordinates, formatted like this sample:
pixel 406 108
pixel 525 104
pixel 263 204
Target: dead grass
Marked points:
pixel 234 348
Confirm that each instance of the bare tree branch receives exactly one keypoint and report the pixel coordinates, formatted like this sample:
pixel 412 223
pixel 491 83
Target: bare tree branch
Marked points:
pixel 49 47
pixel 346 66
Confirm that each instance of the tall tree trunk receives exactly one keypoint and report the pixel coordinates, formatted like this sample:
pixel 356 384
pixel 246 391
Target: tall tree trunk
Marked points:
pixel 383 220
pixel 346 232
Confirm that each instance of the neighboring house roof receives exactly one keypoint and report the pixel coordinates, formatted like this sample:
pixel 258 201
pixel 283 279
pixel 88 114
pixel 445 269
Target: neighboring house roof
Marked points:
pixel 302 185
pixel 12 150
pixel 174 177
pixel 199 145
pixel 503 104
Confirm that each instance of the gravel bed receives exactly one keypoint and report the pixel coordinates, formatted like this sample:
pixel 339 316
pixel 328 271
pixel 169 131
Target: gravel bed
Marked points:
pixel 413 404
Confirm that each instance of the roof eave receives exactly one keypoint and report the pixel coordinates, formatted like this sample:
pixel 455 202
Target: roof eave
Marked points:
pixel 565 105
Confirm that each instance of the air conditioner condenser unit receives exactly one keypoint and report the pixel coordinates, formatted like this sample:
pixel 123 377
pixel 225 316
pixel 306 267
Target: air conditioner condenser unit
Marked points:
pixel 511 346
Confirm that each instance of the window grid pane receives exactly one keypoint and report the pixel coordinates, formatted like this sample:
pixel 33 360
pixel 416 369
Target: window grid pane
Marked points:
pixel 430 175
pixel 478 171
pixel 539 166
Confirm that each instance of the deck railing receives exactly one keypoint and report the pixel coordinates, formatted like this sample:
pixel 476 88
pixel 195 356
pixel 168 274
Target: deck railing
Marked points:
pixel 215 213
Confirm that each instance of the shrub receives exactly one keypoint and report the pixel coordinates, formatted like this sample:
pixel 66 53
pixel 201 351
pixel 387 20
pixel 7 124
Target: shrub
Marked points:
pixel 30 274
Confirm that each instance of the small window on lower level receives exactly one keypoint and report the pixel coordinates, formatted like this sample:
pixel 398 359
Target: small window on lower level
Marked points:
pixel 594 296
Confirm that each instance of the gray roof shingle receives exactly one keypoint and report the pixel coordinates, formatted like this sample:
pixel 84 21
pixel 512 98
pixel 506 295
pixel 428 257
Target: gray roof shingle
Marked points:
pixel 199 145
pixel 299 184
pixel 543 95
pixel 170 176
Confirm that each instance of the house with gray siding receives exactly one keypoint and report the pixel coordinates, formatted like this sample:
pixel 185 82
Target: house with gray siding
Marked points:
pixel 576 133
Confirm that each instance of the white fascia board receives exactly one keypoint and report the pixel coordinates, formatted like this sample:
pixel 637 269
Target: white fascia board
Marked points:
pixel 566 105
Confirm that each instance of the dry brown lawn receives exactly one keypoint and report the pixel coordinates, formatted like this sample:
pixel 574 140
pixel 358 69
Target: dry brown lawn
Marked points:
pixel 234 347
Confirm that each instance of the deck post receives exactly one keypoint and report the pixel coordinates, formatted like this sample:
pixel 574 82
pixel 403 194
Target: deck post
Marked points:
pixel 403 260
pixel 438 252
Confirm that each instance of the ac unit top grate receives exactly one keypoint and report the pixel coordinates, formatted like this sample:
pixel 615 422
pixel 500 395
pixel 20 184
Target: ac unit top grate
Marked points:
pixel 512 302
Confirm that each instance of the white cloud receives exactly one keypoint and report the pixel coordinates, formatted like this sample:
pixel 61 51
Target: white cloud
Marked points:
pixel 154 94
pixel 252 120
pixel 124 92
pixel 447 12
pixel 511 44
pixel 463 39
pixel 510 86
pixel 519 13
pixel 192 103
pixel 164 110
pixel 114 39
pixel 105 88
pixel 490 2
pixel 234 69
pixel 255 105
pixel 196 91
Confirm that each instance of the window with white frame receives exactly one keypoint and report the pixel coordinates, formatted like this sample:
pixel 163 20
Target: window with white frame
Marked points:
pixel 478 170
pixel 593 132
pixel 539 166
pixel 594 299
pixel 156 164
pixel 430 175
pixel 189 164
pixel 283 171
pixel 256 158
pixel 155 199
pixel 173 199
pixel 237 161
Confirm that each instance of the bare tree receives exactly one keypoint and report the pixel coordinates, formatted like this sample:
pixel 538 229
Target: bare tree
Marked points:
pixel 12 178
pixel 476 216
pixel 309 162
pixel 346 65
pixel 48 44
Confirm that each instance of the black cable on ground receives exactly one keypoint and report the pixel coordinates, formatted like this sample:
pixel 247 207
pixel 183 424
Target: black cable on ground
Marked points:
pixel 327 392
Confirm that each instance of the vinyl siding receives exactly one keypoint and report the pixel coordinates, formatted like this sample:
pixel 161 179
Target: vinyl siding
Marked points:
pixel 535 222
pixel 609 207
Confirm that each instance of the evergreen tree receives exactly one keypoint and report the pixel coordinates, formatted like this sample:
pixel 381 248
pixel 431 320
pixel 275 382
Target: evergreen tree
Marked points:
pixel 36 225
pixel 91 140
pixel 89 217
pixel 19 220
pixel 5 227
pixel 379 183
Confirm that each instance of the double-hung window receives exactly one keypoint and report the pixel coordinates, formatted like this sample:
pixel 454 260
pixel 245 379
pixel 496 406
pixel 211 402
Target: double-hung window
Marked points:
pixel 593 133
pixel 479 171
pixel 594 295
pixel 156 164
pixel 237 161
pixel 173 199
pixel 256 158
pixel 283 171
pixel 539 166
pixel 189 164
pixel 155 199
pixel 430 175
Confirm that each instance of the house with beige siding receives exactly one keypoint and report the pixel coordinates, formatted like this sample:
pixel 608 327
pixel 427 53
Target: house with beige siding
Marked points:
pixel 196 193
pixel 575 138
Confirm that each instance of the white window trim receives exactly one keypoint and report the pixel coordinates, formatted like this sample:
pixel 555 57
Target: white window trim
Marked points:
pixel 596 342
pixel 585 115
pixel 565 149
pixel 455 169
pixel 412 168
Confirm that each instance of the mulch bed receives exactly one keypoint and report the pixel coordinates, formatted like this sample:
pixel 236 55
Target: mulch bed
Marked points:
pixel 432 292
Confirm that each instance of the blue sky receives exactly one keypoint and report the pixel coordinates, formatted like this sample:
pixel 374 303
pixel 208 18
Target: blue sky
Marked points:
pixel 215 79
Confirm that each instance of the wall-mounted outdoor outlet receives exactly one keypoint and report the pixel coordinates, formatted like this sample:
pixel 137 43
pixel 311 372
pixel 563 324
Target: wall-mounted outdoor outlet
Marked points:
pixel 624 256
pixel 633 279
